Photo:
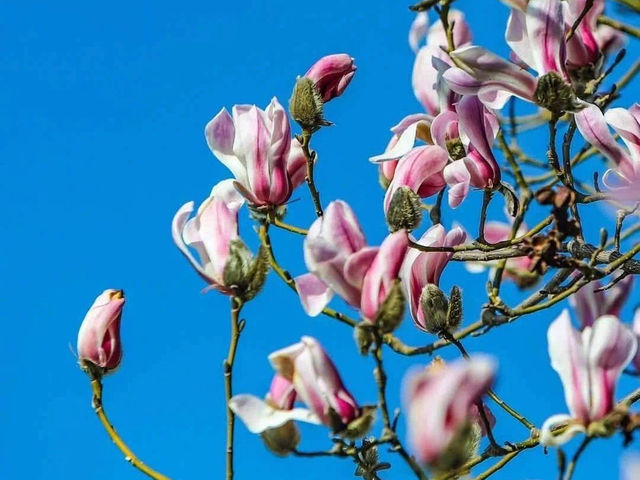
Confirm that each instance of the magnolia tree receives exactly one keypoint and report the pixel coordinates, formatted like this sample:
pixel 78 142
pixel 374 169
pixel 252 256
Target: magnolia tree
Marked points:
pixel 563 60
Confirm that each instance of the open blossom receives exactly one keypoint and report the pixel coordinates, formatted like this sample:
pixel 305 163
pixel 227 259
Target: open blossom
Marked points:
pixel 210 232
pixel 317 382
pixel 339 261
pixel 99 334
pixel 331 75
pixel 422 268
pixel 589 364
pixel 441 402
pixel 536 34
pixel 590 304
pixel 256 146
pixel 429 88
pixel 624 179
pixel 461 155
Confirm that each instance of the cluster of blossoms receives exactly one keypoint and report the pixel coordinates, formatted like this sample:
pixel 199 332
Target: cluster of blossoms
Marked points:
pixel 558 54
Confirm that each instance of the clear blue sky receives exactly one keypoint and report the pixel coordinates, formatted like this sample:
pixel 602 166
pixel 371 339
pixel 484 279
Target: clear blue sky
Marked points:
pixel 104 106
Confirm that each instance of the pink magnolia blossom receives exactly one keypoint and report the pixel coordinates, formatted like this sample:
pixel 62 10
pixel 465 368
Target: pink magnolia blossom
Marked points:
pixel 332 74
pixel 382 273
pixel 316 381
pixel 256 146
pixel 589 364
pixel 99 334
pixel 536 35
pixel 591 304
pixel 467 132
pixel 210 232
pixel 422 268
pixel 272 412
pixel 441 401
pixel 636 331
pixel 340 261
pixel 624 179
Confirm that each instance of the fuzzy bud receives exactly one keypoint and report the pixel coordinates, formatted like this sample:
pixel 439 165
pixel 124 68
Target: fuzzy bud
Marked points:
pixel 243 272
pixel 306 105
pixel 363 335
pixel 462 447
pixel 391 311
pixel 282 440
pixel 405 210
pixel 360 426
pixel 435 308
pixel 554 94
pixel 454 314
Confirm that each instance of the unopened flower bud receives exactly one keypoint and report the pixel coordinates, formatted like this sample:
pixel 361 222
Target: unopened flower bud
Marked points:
pixel 282 440
pixel 554 94
pixel 331 75
pixel 306 105
pixel 435 307
pixel 454 314
pixel 405 210
pixel 244 273
pixel 99 347
pixel 392 309
pixel 363 335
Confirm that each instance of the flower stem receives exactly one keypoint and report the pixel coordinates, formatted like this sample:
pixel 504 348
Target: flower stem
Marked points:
pixel 311 157
pixel 236 306
pixel 96 386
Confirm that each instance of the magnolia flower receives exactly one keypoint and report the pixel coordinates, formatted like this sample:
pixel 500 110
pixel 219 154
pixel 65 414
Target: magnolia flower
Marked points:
pixel 340 261
pixel 589 364
pixel 590 304
pixel 624 179
pixel 331 75
pixel 460 156
pixel 422 268
pixel 256 146
pixel 537 36
pixel 211 232
pixel 517 269
pixel 442 406
pixel 99 334
pixel 317 383
pixel 636 331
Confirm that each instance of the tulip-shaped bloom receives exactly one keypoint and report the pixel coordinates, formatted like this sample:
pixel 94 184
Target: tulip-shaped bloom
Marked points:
pixel 382 273
pixel 591 303
pixel 256 146
pixel 537 37
pixel 331 75
pixel 589 364
pixel 99 347
pixel 339 261
pixel 211 232
pixel 273 417
pixel 624 179
pixel 422 268
pixel 442 403
pixel 517 269
pixel 317 383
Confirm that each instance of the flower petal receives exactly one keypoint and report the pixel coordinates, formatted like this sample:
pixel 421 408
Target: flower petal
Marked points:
pixel 314 293
pixel 547 438
pixel 258 416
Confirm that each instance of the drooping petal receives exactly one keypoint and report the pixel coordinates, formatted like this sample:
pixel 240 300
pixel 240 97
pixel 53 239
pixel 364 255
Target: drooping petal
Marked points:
pixel 548 439
pixel 418 30
pixel 220 134
pixel 458 178
pixel 314 293
pixel 517 37
pixel 259 416
pixel 628 127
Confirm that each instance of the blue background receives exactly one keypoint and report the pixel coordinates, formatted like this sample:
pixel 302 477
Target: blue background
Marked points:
pixel 104 106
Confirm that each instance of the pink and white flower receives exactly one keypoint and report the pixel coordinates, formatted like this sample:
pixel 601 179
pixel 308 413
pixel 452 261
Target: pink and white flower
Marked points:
pixel 340 262
pixel 332 74
pixel 210 232
pixel 590 304
pixel 99 334
pixel 442 401
pixel 422 268
pixel 256 146
pixel 589 363
pixel 624 179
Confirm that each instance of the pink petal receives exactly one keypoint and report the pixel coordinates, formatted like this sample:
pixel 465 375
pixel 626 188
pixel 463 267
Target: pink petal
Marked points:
pixel 314 293
pixel 418 30
pixel 545 27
